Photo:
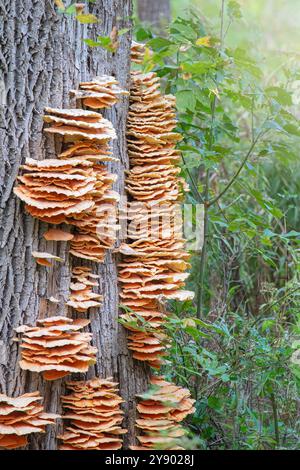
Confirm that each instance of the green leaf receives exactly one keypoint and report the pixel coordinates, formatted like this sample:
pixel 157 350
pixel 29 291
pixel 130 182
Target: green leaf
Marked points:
pixel 105 42
pixel 186 99
pixel 92 43
pixel 291 234
pixel 159 43
pixel 269 233
pixel 234 9
pixel 292 129
pixel 198 68
pixel 123 31
pixel 246 63
pixel 195 333
pixel 71 9
pixel 275 211
pixel 225 378
pixel 267 324
pixel 87 18
pixel 280 95
pixel 271 124
pixel 214 403
pixel 142 34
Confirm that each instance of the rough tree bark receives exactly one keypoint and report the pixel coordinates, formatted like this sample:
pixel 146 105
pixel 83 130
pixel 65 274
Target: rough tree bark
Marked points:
pixel 155 12
pixel 42 57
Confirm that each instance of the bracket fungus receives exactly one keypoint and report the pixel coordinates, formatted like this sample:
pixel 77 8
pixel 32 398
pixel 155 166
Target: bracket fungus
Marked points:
pixel 56 347
pixel 94 414
pixel 44 258
pixel 97 227
pixel 54 190
pixel 161 409
pixel 20 417
pixel 82 296
pixel 57 235
pixel 79 124
pixel 102 92
pixel 75 188
pixel 137 52
pixel 87 150
pixel 155 258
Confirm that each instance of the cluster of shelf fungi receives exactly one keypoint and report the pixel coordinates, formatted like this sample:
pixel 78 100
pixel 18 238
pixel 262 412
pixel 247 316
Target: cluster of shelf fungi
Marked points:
pixel 75 189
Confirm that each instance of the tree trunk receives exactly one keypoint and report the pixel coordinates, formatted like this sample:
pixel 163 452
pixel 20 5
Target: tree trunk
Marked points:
pixel 42 57
pixel 155 12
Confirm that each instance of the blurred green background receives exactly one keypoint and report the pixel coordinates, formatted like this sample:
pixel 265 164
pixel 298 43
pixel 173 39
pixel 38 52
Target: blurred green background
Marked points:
pixel 275 23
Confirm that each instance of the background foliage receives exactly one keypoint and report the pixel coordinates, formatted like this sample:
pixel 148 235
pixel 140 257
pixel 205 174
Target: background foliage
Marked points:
pixel 234 68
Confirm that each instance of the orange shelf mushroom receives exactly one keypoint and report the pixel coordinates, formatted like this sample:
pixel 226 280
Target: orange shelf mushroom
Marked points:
pixel 97 227
pixel 155 258
pixel 76 188
pixel 20 417
pixel 43 258
pixel 149 346
pixel 102 92
pixel 54 189
pixel 82 297
pixel 157 183
pixel 137 52
pixel 151 120
pixel 79 124
pixel 56 347
pixel 57 235
pixel 77 191
pixel 87 150
pixel 161 409
pixel 94 414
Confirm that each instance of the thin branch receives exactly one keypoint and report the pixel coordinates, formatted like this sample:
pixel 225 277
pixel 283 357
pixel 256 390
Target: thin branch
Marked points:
pixel 252 120
pixel 278 301
pixel 227 29
pixel 192 180
pixel 248 155
pixel 222 24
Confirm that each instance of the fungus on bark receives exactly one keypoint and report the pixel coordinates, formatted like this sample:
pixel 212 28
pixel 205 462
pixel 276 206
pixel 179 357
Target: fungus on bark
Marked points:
pixel 56 347
pixel 45 259
pixel 161 409
pixel 82 297
pixel 101 92
pixel 137 52
pixel 155 258
pixel 57 235
pixel 94 414
pixel 79 124
pixel 54 190
pixel 20 417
